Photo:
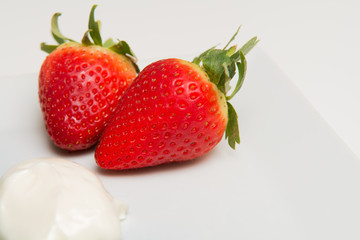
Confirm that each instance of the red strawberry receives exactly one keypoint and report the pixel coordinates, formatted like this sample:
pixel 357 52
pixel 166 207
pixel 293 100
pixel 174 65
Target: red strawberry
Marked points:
pixel 80 85
pixel 175 111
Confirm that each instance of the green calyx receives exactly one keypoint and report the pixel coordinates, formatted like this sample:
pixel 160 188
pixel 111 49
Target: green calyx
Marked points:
pixel 119 47
pixel 221 66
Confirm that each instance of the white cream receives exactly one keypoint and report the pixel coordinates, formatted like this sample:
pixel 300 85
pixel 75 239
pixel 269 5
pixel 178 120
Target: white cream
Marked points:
pixel 55 199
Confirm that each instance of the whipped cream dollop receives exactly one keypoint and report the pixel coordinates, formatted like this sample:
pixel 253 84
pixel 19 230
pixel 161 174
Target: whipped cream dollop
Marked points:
pixel 56 199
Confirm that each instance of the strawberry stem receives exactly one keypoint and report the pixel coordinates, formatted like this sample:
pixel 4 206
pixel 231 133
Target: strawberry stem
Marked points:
pixel 221 65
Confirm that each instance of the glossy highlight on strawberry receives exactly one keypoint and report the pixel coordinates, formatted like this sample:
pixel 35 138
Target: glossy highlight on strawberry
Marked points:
pixel 175 111
pixel 80 85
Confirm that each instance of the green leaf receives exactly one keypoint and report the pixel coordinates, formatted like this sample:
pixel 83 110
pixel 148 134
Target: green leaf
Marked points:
pixel 227 78
pixel 231 51
pixel 232 38
pixel 232 69
pixel 47 48
pixel 86 40
pixel 221 66
pixel 241 66
pixel 222 84
pixel 94 27
pixel 213 64
pixel 108 43
pixel 236 56
pixel 59 38
pixel 124 49
pixel 232 128
pixel 197 60
pixel 249 45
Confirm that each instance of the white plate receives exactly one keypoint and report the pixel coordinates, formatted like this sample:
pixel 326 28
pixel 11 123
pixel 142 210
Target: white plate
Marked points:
pixel 291 177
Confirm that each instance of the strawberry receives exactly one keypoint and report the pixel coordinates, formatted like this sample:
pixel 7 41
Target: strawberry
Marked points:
pixel 80 85
pixel 175 111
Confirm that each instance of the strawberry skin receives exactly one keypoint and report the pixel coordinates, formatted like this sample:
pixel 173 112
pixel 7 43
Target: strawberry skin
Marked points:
pixel 171 112
pixel 175 111
pixel 80 84
pixel 79 87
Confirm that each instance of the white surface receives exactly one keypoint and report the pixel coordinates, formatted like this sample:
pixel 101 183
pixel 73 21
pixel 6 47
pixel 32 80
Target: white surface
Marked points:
pixel 291 178
pixel 314 42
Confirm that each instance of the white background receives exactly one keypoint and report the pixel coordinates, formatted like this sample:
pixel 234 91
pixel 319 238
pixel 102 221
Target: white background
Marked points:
pixel 314 42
